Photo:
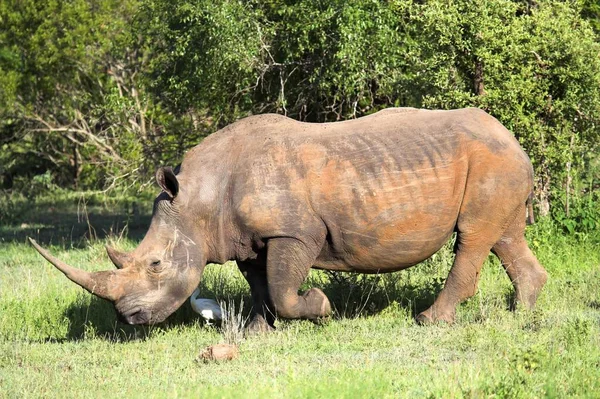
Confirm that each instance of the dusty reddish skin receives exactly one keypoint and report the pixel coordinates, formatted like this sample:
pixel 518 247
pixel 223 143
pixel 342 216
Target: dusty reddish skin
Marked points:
pixel 372 195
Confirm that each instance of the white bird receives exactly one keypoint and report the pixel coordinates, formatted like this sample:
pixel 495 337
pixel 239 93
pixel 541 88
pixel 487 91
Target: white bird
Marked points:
pixel 208 309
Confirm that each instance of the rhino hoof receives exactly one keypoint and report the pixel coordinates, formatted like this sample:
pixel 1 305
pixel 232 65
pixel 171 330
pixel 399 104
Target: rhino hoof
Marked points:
pixel 258 326
pixel 423 319
pixel 318 304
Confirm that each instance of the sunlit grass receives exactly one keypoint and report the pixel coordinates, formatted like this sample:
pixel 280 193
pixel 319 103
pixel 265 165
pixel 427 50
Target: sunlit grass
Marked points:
pixel 57 340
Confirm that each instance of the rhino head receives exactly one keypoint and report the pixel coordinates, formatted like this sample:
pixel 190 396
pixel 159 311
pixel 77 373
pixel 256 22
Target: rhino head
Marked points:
pixel 152 281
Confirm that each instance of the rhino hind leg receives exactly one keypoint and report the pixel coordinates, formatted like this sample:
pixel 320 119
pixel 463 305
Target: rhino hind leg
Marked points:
pixel 263 317
pixel 525 272
pixel 474 240
pixel 460 285
pixel 288 263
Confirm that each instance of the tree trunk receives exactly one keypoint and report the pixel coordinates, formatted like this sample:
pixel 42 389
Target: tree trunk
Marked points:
pixel 569 177
pixel 76 163
pixel 478 79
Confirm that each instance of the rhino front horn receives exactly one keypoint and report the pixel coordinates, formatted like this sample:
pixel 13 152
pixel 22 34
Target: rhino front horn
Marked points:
pixel 98 283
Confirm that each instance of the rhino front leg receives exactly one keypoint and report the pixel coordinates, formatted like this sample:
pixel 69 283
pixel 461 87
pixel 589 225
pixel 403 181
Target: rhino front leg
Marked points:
pixel 263 318
pixel 288 263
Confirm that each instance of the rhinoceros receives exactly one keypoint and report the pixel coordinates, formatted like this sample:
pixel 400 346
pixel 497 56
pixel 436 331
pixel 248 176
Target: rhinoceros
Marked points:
pixel 375 194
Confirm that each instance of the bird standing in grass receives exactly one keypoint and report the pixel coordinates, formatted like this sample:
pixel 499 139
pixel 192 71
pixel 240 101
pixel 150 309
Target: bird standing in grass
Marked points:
pixel 208 309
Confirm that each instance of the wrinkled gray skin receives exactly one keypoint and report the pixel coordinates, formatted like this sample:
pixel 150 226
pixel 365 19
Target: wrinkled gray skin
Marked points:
pixel 372 195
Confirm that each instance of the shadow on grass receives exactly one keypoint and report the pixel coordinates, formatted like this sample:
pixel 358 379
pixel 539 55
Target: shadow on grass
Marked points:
pixel 363 295
pixel 594 305
pixel 99 319
pixel 69 230
pixel 510 298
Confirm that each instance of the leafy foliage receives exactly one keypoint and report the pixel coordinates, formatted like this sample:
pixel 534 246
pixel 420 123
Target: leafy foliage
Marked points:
pixel 72 103
pixel 590 10
pixel 56 54
pixel 97 93
pixel 204 52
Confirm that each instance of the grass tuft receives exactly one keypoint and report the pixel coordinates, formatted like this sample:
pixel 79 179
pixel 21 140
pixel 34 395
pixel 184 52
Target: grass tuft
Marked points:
pixel 234 321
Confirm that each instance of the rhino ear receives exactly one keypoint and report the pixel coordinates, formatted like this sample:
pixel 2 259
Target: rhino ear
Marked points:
pixel 167 180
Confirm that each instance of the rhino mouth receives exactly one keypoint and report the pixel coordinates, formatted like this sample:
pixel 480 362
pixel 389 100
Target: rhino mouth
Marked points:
pixel 136 315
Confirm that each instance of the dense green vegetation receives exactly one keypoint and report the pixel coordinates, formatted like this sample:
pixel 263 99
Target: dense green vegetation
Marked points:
pixel 97 94
pixel 58 340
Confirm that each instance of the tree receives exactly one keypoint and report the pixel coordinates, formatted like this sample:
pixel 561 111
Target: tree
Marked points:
pixel 590 10
pixel 104 88
pixel 73 103
pixel 56 55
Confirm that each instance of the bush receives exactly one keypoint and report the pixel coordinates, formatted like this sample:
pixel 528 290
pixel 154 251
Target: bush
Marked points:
pixel 101 93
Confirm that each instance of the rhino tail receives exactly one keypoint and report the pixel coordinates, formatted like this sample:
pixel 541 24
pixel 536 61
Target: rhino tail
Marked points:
pixel 529 204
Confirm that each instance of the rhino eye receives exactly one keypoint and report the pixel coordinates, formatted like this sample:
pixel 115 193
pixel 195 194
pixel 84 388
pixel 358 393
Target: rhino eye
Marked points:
pixel 156 263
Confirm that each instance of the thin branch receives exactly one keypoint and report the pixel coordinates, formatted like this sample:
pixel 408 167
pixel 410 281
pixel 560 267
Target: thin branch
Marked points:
pixel 78 126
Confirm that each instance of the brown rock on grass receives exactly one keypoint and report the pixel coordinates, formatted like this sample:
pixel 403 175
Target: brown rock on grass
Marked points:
pixel 219 352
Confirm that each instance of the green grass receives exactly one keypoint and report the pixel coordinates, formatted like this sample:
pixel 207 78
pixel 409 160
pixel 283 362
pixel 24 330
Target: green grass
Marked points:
pixel 57 340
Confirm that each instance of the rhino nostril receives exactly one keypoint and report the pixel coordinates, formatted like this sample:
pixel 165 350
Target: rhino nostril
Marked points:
pixel 136 316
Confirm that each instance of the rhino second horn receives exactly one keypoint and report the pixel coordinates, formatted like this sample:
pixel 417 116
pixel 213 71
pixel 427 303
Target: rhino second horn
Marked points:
pixel 97 283
pixel 117 257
